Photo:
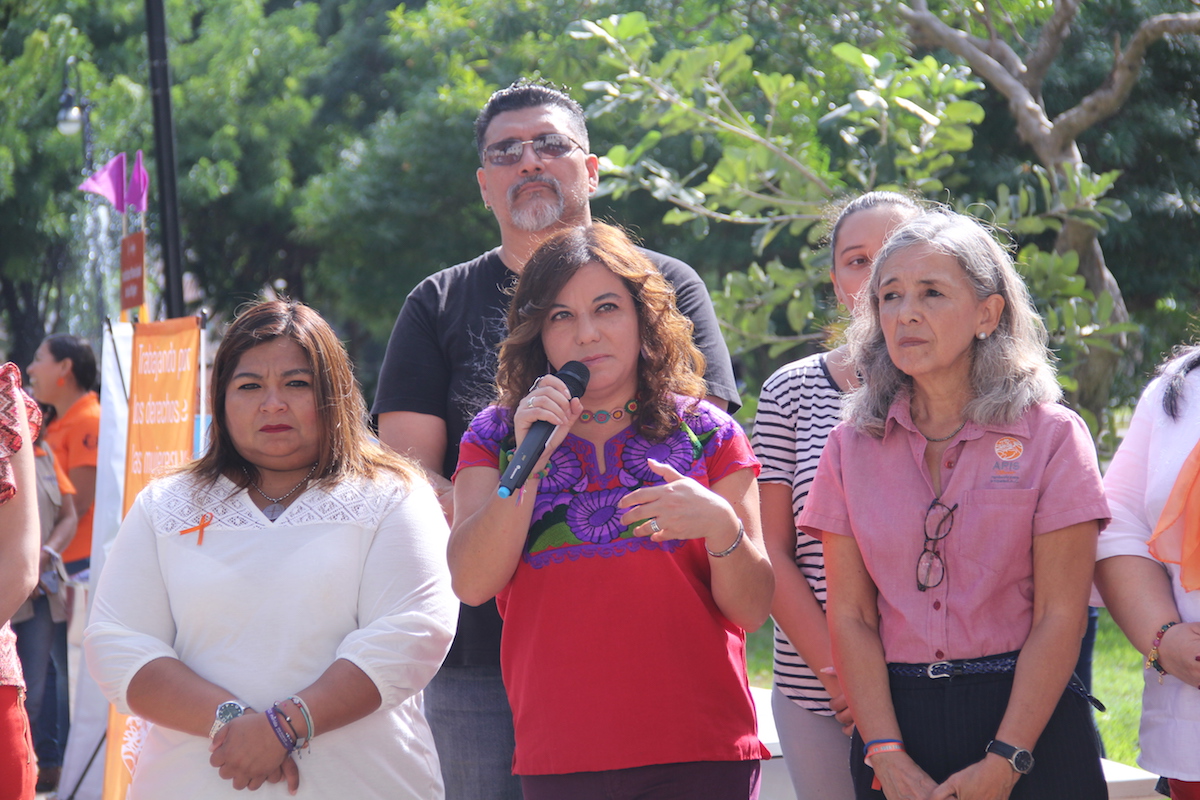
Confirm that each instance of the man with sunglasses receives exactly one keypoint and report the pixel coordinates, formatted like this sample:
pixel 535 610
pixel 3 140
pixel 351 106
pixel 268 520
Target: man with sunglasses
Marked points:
pixel 536 175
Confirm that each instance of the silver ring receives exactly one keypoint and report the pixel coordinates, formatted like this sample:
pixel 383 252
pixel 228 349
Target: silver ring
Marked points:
pixel 654 525
pixel 530 403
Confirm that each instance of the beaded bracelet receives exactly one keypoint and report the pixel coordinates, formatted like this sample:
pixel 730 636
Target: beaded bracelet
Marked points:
pixel 1152 656
pixel 732 547
pixel 285 738
pixel 303 706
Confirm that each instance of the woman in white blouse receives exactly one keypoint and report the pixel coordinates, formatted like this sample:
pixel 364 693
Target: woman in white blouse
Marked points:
pixel 288 587
pixel 1148 568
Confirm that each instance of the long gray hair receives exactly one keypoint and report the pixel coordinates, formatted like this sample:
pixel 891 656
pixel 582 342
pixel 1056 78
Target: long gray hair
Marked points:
pixel 1011 369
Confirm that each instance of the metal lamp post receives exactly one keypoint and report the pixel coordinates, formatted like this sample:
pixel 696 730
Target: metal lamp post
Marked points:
pixel 75 115
pixel 164 147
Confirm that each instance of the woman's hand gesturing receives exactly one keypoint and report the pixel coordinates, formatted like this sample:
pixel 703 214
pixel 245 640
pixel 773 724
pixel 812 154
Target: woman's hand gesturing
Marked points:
pixel 680 509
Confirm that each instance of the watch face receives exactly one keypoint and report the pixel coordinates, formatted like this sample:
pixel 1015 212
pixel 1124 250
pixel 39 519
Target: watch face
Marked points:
pixel 1023 761
pixel 229 711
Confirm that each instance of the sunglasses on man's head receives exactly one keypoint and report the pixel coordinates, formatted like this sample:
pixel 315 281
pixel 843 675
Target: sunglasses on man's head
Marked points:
pixel 547 146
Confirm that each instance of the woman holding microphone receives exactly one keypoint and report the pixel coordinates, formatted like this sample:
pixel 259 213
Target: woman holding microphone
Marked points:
pixel 630 566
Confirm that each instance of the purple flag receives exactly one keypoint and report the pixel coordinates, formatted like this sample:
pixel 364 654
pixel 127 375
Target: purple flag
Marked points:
pixel 138 187
pixel 109 182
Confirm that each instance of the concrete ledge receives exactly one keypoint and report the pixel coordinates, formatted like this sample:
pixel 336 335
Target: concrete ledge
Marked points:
pixel 1124 782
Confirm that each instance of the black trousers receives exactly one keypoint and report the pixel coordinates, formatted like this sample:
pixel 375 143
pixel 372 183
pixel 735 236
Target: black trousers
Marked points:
pixel 946 724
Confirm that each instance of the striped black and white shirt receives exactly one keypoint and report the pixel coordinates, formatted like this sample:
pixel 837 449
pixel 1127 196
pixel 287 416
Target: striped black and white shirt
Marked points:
pixel 800 405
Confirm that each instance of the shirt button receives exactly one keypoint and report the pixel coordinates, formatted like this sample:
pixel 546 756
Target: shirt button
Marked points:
pixel 940 654
pixel 937 605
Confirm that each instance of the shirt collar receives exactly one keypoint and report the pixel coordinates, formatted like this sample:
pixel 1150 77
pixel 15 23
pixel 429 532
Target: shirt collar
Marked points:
pixel 900 414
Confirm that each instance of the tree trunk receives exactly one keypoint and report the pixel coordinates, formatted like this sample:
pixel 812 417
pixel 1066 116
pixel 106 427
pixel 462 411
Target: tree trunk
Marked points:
pixel 1097 370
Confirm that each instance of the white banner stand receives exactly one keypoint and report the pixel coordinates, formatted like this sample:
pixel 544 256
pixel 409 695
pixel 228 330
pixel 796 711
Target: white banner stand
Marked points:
pixel 83 762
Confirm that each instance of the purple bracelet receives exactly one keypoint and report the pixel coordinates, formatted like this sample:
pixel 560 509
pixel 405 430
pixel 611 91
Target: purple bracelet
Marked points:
pixel 285 739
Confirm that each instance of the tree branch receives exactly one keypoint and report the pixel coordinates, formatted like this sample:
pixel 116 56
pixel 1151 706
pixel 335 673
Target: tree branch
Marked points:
pixel 1049 44
pixel 1033 125
pixel 995 48
pixel 1106 100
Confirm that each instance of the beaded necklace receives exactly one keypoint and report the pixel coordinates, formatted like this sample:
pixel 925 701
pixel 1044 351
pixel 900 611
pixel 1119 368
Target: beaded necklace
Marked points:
pixel 616 415
pixel 952 434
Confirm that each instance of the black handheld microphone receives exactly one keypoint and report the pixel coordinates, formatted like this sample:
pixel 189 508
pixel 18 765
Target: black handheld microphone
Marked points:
pixel 575 375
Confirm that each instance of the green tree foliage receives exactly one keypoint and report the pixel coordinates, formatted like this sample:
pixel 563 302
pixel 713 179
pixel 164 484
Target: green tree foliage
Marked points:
pixel 325 146
pixel 1014 48
pixel 40 208
pixel 908 121
pixel 782 149
pixel 1153 141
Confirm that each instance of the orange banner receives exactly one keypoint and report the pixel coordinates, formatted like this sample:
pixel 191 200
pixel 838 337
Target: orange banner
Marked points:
pixel 162 400
pixel 125 737
pixel 163 390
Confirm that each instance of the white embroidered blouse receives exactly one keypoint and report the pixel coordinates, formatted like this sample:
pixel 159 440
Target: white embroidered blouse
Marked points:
pixel 200 574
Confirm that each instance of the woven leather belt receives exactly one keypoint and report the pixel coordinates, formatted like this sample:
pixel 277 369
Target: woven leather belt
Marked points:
pixel 988 665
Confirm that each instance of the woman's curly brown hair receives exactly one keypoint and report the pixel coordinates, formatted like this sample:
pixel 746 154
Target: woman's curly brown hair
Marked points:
pixel 670 363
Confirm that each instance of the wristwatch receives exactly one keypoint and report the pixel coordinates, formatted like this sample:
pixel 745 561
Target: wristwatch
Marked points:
pixel 226 713
pixel 1021 760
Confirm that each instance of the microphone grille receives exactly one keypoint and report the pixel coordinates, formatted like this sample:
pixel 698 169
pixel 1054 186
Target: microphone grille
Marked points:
pixel 575 375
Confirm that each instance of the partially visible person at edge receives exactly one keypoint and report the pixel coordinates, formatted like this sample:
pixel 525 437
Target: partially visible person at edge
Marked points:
pixel 1148 568
pixel 20 539
pixel 629 568
pixel 275 608
pixel 63 376
pixel 536 174
pixel 799 406
pixel 41 623
pixel 958 505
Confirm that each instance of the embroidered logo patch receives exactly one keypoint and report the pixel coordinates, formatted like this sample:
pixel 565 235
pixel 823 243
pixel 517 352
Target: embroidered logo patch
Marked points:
pixel 1009 449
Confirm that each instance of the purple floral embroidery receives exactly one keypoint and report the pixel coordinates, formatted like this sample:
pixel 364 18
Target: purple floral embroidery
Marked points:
pixel 676 450
pixel 545 502
pixel 492 424
pixel 594 517
pixel 566 471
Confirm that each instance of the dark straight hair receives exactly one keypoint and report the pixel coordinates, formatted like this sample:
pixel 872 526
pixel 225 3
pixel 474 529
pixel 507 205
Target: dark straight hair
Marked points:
pixel 346 447
pixel 83 357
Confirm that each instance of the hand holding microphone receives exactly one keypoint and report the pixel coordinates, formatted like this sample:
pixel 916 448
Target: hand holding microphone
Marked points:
pixel 528 456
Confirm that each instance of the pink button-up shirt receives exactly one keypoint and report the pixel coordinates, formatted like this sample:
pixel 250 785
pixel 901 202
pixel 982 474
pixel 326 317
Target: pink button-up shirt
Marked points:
pixel 1011 482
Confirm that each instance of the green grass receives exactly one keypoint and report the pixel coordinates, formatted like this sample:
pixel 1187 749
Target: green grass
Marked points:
pixel 1116 671
pixel 1117 682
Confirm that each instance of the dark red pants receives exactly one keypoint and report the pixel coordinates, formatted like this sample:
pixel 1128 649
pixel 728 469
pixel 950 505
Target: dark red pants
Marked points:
pixel 1185 790
pixel 712 780
pixel 18 767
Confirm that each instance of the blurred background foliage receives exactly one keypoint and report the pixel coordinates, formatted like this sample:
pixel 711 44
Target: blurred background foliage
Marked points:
pixel 325 150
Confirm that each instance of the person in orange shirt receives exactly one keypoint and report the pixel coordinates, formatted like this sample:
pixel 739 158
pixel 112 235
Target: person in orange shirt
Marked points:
pixel 63 375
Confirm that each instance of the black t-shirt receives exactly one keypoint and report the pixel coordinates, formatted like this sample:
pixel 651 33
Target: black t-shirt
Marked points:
pixel 441 360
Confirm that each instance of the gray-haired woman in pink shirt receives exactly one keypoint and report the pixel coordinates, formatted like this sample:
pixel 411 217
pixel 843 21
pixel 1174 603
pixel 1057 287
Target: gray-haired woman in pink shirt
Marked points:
pixel 959 507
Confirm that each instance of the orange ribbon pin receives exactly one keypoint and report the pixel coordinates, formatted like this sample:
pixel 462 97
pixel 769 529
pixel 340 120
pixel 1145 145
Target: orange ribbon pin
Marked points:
pixel 205 520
